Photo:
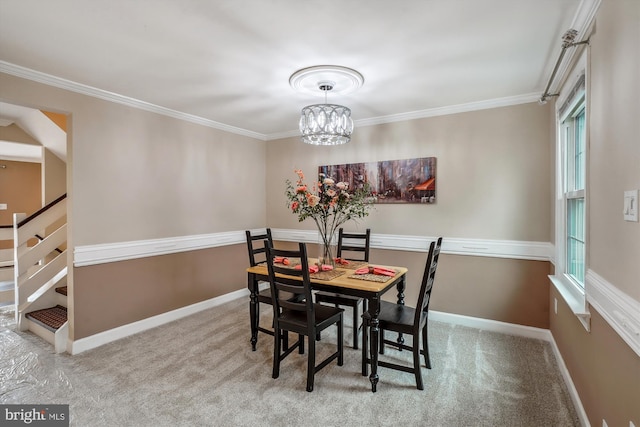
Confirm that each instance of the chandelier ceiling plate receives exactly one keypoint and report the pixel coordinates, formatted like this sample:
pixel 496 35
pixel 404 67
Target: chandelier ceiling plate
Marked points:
pixel 344 80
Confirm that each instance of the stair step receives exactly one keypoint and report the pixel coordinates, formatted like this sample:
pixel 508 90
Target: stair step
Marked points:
pixel 51 318
pixel 6 285
pixel 62 290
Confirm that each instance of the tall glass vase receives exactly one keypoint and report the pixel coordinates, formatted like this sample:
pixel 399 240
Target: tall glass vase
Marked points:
pixel 328 250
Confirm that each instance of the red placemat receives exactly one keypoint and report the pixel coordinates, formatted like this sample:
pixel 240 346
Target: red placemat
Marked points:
pixel 326 275
pixel 372 277
pixel 353 265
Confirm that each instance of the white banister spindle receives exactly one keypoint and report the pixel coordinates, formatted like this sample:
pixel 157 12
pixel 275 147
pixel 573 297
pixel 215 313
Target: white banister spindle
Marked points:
pixel 38 268
pixel 18 249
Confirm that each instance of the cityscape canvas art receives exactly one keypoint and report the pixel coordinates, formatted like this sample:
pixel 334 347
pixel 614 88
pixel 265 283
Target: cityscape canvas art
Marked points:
pixel 390 181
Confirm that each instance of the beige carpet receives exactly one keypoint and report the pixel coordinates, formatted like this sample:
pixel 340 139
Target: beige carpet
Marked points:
pixel 200 371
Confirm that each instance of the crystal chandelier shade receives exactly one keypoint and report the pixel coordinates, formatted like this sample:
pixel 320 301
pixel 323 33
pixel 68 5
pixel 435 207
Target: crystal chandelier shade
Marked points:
pixel 326 124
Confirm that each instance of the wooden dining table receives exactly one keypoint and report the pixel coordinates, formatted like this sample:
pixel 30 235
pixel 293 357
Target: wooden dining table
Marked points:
pixel 370 287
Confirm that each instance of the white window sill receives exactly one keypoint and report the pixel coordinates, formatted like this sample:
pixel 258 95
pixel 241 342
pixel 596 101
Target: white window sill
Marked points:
pixel 575 299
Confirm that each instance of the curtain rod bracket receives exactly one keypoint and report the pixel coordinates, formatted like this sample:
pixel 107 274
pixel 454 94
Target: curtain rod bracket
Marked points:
pixel 567 42
pixel 579 43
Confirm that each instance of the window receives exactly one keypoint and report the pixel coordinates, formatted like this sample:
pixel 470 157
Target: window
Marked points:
pixel 573 142
pixel 571 168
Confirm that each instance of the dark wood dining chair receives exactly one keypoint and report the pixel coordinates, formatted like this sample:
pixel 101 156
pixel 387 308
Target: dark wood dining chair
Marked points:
pixel 354 248
pixel 302 317
pixel 257 255
pixel 410 321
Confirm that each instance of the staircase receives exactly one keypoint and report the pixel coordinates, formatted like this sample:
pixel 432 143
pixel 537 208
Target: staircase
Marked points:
pixel 52 318
pixel 40 273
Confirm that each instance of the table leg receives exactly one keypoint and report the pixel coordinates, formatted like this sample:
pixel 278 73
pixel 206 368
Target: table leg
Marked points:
pixel 365 342
pixel 252 284
pixel 374 312
pixel 401 287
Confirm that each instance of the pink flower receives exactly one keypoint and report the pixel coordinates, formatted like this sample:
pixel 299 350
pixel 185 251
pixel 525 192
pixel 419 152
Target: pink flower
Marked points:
pixel 342 185
pixel 331 193
pixel 328 181
pixel 294 206
pixel 313 200
pixel 301 189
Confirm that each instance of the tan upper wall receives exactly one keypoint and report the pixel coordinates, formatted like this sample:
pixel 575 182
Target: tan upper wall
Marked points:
pixel 19 189
pixel 493 173
pixel 140 175
pixel 14 133
pixel 614 166
pixel 54 176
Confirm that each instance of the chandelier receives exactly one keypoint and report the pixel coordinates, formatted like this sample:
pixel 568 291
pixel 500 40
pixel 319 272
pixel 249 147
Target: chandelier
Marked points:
pixel 326 124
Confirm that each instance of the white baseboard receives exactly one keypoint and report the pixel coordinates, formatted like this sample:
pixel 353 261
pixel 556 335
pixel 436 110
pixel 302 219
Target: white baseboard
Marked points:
pixel 491 325
pixel 575 398
pixel 102 338
pixel 524 331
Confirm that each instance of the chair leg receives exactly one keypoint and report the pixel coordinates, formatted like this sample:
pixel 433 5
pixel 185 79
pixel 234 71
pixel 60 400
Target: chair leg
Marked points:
pixel 301 346
pixel 381 350
pixel 425 346
pixel 416 362
pixel 355 326
pixel 276 353
pixel 340 343
pixel 311 364
pixel 365 348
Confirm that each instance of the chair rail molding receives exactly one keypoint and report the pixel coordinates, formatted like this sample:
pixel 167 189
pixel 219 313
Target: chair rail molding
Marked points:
pixel 122 251
pixel 539 251
pixel 620 311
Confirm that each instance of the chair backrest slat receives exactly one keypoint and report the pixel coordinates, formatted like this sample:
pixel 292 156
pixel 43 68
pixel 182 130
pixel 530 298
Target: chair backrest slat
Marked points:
pixel 290 286
pixel 257 254
pixel 428 278
pixel 354 242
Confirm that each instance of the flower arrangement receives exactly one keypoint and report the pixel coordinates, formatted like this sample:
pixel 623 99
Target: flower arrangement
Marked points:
pixel 329 204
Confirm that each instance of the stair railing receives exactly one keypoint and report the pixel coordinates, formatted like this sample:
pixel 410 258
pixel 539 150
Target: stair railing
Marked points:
pixel 41 266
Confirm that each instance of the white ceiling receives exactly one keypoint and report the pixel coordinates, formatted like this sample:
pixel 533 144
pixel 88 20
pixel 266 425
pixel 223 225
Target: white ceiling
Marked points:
pixel 229 62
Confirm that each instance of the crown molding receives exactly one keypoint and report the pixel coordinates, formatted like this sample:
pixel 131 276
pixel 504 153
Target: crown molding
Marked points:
pixel 452 109
pixel 582 23
pixel 431 112
pixel 37 76
pixel 48 79
pixel 585 15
